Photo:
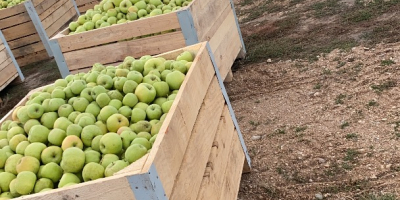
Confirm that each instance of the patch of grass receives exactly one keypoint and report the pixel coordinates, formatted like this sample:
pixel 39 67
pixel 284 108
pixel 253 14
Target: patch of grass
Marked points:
pixel 347 166
pixel 387 62
pixel 317 86
pixel 257 101
pixel 341 64
pixel 387 196
pixel 280 131
pixel 339 99
pixel 359 16
pixel 351 136
pixel 300 129
pixel 326 72
pixel 344 125
pixel 372 103
pixel 384 86
pixel 254 123
pixel 333 170
pixel 351 155
pixel 326 8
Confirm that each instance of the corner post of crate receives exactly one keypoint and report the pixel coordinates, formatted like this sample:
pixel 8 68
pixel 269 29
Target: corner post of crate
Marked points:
pixel 147 185
pixel 3 39
pixel 76 7
pixel 187 25
pixel 247 164
pixel 59 57
pixel 242 53
pixel 38 26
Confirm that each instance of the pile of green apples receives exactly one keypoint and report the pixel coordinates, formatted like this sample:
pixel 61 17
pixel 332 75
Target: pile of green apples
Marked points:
pixel 88 125
pixel 9 3
pixel 111 12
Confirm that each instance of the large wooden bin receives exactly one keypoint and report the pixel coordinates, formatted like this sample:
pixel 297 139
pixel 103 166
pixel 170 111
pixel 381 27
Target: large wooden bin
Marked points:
pixel 28 26
pixel 9 69
pixel 199 152
pixel 84 5
pixel 203 20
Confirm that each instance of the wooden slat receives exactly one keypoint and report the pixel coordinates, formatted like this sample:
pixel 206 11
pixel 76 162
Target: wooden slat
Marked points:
pixel 230 187
pixel 205 12
pixel 61 22
pixel 14 20
pixel 84 8
pixel 15 10
pixel 83 2
pixel 38 2
pixel 56 11
pixel 136 166
pixel 3 55
pixel 29 49
pixel 176 130
pixel 4 64
pixel 7 72
pixel 10 79
pixel 19 31
pixel 32 58
pixel 118 51
pixel 190 174
pixel 226 45
pixel 119 32
pixel 218 159
pixel 24 41
pixel 43 7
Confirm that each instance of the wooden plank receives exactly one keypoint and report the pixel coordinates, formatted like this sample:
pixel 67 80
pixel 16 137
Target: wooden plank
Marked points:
pixel 10 79
pixel 119 32
pixel 115 52
pixel 84 8
pixel 29 39
pixel 205 12
pixel 14 20
pixel 7 72
pixel 58 10
pixel 15 10
pixel 134 167
pixel 188 181
pixel 32 58
pixel 62 22
pixel 26 50
pixel 230 187
pixel 218 159
pixel 19 31
pixel 177 128
pixel 226 45
pixel 4 64
pixel 83 2
pixel 4 55
pixel 42 6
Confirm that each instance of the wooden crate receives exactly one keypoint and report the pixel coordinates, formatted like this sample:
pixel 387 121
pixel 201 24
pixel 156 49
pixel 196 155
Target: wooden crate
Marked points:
pixel 28 26
pixel 199 152
pixel 84 5
pixel 9 69
pixel 203 20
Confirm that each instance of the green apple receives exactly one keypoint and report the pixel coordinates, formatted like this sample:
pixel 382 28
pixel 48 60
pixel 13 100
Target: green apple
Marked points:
pixel 73 129
pixel 92 156
pixel 186 55
pixel 71 141
pixel 106 112
pixel 28 163
pixel 22 114
pixel 92 171
pixel 111 143
pixel 68 92
pixel 115 103
pixel 151 79
pixel 73 160
pixel 58 93
pixel 155 72
pixel 8 151
pixel 3 158
pixel 13 192
pixel 167 106
pixel 138 115
pixel 103 99
pixel 93 108
pixel 16 130
pixel 124 6
pixel 142 141
pixel 150 8
pixel 115 167
pixel 105 24
pixel 162 89
pixel 145 92
pixel 89 25
pixel 51 154
pixel 72 117
pixel 3 134
pixel 105 81
pixel 85 121
pixel 96 143
pixel 35 111
pixel 21 148
pixel 38 100
pixel 68 178
pixel 153 139
pixel 48 119
pixel 56 136
pixel 132 15
pixel 129 86
pixel 179 66
pixel 6 179
pixel 153 112
pixel 92 76
pixel 102 126
pixel 121 72
pixel 171 97
pixel 107 159
pixel 62 123
pixel 135 152
pixel 160 100
pixel 3 143
pixel 155 2
pixel 130 100
pixel 119 82
pixel 4 125
pixel 122 129
pixel 25 182
pixel 96 17
pixel 43 183
pixel 11 163
pixel 115 94
pixel 144 135
pixel 87 94
pixel 175 80
pixel 52 171
pixel 38 133
pixel 73 25
pixel 89 132
pixel 82 19
pixel 55 103
pixel 138 66
pixel 96 90
pixel 35 149
pixel 125 111
pixel 70 102
pixel 65 110
pixel 99 23
pixel 152 64
pixel 80 104
pixel 77 86
pixel 156 12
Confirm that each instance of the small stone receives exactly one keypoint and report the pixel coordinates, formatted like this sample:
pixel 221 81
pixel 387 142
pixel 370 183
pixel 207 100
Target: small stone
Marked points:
pixel 317 94
pixel 269 60
pixel 255 137
pixel 384 119
pixel 319 196
pixel 373 176
pixel 321 160
pixel 366 49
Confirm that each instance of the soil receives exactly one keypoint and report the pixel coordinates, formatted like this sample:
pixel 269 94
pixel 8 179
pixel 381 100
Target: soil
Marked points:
pixel 317 98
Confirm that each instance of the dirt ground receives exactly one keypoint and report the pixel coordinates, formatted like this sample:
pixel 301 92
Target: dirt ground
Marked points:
pixel 317 98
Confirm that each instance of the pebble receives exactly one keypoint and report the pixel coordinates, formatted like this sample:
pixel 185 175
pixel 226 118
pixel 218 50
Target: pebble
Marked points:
pixel 317 94
pixel 255 137
pixel 269 60
pixel 319 196
pixel 321 160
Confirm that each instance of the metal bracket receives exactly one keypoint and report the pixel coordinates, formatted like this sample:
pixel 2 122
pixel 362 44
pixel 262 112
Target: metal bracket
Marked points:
pixel 238 26
pixel 228 102
pixel 76 7
pixel 148 185
pixel 187 25
pixel 3 39
pixel 30 8
pixel 59 57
